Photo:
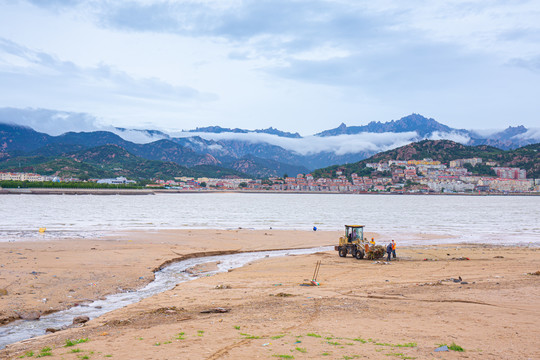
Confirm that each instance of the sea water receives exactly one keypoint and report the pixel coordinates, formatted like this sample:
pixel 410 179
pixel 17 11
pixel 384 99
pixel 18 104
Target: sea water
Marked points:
pixel 410 219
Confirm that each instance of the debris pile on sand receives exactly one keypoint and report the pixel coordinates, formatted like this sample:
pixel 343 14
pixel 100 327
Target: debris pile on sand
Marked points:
pixel 222 286
pixel 377 252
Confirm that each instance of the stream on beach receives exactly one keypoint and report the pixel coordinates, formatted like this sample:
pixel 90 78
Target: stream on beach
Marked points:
pixel 165 279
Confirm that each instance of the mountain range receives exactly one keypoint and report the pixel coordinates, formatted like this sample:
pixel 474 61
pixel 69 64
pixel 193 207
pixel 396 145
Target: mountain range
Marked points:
pixel 428 128
pixel 257 153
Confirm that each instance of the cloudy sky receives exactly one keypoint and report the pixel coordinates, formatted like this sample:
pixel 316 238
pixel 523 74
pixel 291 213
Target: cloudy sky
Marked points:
pixel 300 66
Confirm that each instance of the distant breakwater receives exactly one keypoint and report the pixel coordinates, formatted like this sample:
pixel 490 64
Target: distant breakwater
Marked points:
pixel 59 191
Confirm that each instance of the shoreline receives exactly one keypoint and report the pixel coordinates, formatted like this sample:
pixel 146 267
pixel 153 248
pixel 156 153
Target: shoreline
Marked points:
pixel 74 191
pixel 386 298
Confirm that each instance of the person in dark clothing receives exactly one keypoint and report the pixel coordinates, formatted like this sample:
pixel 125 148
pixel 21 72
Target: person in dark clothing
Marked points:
pixel 389 251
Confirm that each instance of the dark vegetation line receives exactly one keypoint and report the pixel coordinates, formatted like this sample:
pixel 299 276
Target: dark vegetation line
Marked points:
pixel 13 184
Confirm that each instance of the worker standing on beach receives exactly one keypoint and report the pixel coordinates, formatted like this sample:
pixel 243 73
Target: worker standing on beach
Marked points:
pixel 393 249
pixel 389 251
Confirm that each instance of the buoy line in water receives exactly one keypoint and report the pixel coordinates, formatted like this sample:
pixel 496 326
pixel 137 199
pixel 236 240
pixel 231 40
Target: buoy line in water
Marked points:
pixel 165 279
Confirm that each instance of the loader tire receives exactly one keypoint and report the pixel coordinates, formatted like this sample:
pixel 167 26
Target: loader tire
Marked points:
pixel 343 252
pixel 359 254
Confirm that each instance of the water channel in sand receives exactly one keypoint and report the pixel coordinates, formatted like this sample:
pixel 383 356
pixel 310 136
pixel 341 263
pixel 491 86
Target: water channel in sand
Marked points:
pixel 165 279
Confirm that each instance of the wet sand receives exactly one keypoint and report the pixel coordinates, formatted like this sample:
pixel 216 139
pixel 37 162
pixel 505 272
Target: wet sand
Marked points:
pixel 362 309
pixel 46 276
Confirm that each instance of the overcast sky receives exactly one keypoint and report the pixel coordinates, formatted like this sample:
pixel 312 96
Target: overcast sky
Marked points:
pixel 300 66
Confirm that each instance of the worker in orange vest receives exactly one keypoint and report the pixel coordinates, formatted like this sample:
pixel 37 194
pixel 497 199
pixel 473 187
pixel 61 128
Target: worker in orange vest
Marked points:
pixel 393 249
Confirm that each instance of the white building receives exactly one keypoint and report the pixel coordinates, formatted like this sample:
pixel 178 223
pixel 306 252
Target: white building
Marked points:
pixel 449 186
pixel 117 181
pixel 21 176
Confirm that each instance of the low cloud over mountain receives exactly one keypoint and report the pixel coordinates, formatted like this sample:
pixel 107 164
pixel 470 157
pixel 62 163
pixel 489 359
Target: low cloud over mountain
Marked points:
pixel 310 145
pixel 221 146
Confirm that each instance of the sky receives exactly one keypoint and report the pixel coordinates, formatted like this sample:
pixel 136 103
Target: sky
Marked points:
pixel 299 66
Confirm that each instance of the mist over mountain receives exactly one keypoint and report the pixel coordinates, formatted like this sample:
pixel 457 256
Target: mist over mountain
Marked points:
pixel 270 130
pixel 260 153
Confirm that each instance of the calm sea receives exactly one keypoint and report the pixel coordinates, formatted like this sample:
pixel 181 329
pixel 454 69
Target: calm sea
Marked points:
pixel 411 219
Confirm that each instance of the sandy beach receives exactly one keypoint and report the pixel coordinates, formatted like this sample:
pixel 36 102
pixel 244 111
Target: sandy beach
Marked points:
pixel 362 309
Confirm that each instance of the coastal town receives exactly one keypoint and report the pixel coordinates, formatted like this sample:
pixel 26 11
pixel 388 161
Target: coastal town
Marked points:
pixel 393 176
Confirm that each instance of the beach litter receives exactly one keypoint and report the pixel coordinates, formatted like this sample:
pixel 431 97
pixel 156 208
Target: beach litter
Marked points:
pixel 459 280
pixel 537 273
pixel 282 294
pixel 167 310
pixel 222 286
pixel 376 252
pixel 442 348
pixel 215 310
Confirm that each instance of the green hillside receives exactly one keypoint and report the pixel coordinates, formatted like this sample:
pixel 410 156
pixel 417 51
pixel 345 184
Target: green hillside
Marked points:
pixel 109 161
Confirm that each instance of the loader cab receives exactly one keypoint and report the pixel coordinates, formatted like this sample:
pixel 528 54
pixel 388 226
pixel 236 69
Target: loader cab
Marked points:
pixel 354 233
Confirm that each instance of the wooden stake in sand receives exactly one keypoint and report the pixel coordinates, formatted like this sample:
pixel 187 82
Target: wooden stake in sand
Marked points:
pixel 316 273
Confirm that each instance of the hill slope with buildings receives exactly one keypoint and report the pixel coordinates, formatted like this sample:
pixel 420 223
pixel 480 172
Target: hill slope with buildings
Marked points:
pixel 108 161
pixel 444 151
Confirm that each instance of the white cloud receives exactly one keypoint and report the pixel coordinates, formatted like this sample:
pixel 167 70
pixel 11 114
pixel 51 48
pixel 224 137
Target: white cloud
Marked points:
pixel 51 122
pixel 54 122
pixel 340 145
pixel 136 136
pixel 454 136
pixel 215 147
pixel 530 134
pixel 485 132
